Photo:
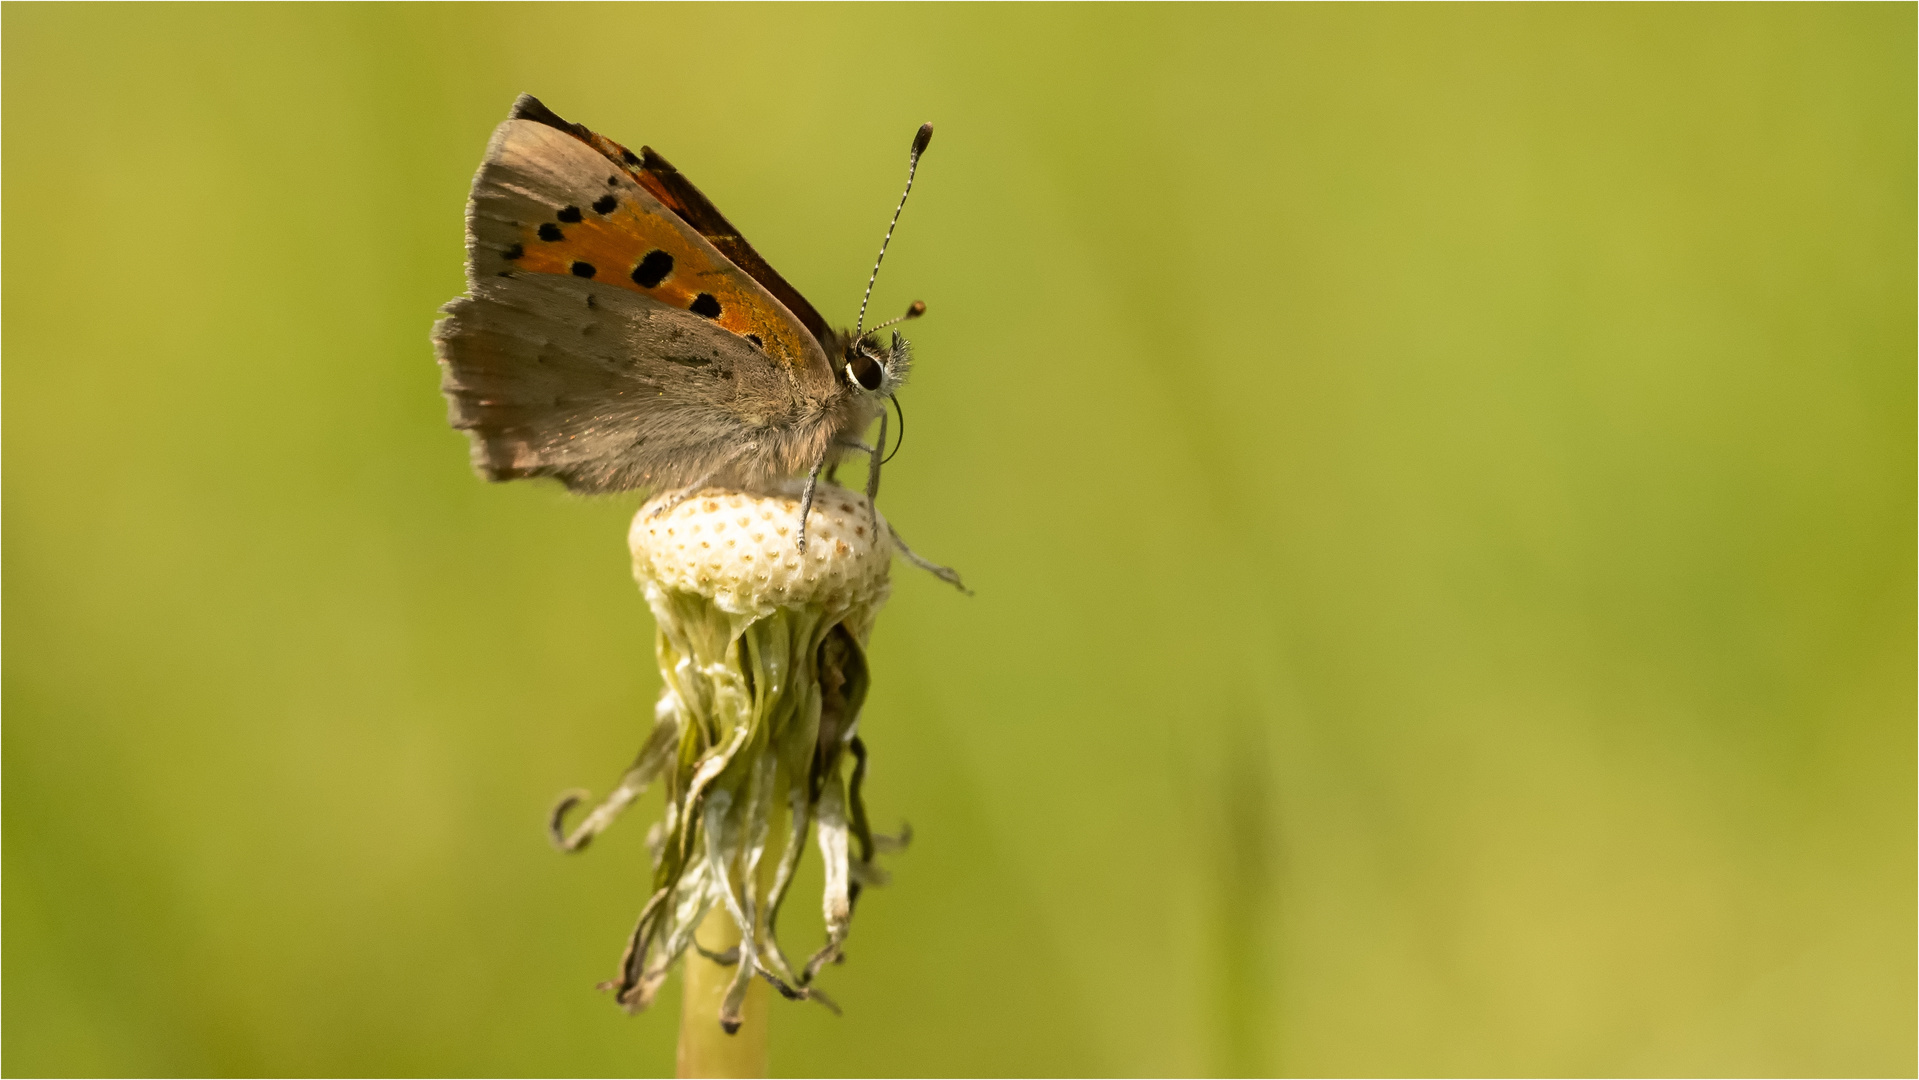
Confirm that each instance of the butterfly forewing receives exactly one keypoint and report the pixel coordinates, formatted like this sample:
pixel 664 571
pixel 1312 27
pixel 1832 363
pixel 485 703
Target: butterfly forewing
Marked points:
pixel 678 194
pixel 605 342
pixel 545 203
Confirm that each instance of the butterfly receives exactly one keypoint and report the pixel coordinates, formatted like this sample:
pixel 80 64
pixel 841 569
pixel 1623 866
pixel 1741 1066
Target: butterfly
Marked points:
pixel 618 332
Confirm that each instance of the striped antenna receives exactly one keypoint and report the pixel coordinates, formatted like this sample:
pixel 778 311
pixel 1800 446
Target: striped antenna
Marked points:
pixel 920 141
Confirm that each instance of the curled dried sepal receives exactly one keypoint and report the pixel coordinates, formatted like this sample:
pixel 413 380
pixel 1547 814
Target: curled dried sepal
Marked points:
pixel 762 652
pixel 646 765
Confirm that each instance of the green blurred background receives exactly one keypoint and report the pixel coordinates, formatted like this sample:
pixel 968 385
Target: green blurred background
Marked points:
pixel 1439 483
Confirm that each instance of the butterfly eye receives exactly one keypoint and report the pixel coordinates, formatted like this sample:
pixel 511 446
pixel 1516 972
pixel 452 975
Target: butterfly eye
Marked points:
pixel 865 371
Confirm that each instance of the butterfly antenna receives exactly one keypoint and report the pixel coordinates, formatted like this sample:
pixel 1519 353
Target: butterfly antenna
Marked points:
pixel 920 140
pixel 914 312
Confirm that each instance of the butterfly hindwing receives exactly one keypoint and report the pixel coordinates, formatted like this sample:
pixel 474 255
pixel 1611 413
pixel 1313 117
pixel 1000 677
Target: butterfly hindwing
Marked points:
pixel 599 387
pixel 603 340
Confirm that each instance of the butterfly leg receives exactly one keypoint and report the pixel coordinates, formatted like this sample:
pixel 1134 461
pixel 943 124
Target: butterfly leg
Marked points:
pixel 833 471
pixel 806 497
pixel 944 573
pixel 693 488
pixel 873 477
pixel 681 496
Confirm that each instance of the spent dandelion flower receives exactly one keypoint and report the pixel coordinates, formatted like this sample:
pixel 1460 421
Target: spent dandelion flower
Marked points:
pixel 762 652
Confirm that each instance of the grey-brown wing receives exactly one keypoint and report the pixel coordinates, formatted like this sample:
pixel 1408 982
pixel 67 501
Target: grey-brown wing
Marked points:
pixel 599 387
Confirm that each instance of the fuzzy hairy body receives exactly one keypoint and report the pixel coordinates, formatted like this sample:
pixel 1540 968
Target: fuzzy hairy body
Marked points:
pixel 572 356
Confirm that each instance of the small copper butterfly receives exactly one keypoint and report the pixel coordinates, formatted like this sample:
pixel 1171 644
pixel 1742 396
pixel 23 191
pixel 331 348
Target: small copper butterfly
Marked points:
pixel 618 332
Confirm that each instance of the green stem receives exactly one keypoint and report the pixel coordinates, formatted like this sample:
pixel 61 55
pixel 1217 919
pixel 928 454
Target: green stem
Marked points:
pixel 705 1047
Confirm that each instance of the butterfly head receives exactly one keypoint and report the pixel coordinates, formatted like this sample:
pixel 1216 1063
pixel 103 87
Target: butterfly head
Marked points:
pixel 872 368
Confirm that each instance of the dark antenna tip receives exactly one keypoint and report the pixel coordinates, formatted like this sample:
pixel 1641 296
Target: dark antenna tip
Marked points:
pixel 921 140
pixel 918 309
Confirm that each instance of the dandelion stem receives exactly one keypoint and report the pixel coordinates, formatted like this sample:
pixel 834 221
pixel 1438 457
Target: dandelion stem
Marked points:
pixel 705 1047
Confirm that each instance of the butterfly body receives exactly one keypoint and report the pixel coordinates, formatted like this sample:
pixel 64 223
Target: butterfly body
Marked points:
pixel 618 333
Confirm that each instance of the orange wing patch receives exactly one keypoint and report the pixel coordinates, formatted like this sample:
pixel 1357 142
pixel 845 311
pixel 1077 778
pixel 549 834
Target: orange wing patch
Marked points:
pixel 621 242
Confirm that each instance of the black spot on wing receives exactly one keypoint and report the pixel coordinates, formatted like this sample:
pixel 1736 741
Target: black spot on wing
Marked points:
pixel 612 181
pixel 583 269
pixel 570 214
pixel 512 253
pixel 653 269
pixel 551 233
pixel 605 204
pixel 705 304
